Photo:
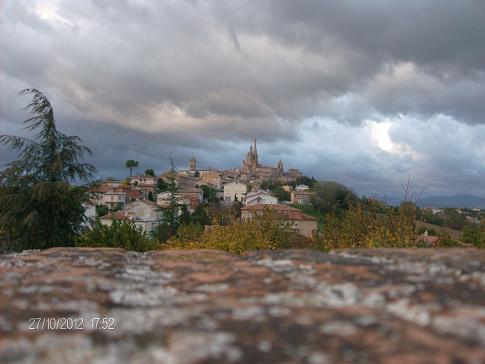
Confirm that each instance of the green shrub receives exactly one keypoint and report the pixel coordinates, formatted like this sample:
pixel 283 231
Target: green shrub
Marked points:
pixel 446 241
pixel 121 234
pixel 475 235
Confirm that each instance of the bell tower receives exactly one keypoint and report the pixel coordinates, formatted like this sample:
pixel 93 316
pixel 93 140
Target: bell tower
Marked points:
pixel 279 166
pixel 254 159
pixel 192 164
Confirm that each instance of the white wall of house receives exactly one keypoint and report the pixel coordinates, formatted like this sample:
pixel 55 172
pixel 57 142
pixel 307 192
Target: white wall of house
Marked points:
pixel 259 197
pixel 143 213
pixel 111 198
pixel 146 180
pixel 233 190
pixel 89 214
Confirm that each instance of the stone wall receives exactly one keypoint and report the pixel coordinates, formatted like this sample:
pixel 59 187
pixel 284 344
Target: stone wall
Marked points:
pixel 293 306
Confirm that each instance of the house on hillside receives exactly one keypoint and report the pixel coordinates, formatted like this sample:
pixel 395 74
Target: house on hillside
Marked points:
pixel 143 179
pixel 295 219
pixel 145 214
pixel 113 199
pixel 302 188
pixel 191 197
pixel 213 179
pixel 301 197
pixel 163 199
pixel 145 184
pixel 259 197
pixel 234 191
pixel 186 182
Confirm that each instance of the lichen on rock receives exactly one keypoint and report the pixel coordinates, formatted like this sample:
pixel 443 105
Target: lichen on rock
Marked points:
pixel 283 306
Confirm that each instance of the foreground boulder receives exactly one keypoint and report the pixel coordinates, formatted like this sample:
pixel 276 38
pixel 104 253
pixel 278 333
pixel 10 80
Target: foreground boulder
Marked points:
pixel 68 305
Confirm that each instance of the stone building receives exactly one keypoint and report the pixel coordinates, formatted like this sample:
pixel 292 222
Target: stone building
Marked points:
pixel 234 191
pixel 259 197
pixel 251 168
pixel 291 217
pixel 193 165
pixel 251 163
pixel 213 179
pixel 145 214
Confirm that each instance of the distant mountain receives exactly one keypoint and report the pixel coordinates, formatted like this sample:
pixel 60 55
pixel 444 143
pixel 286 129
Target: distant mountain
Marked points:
pixel 464 201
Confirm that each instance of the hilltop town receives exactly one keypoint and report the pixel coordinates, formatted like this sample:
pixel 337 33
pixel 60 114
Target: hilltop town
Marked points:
pixel 250 186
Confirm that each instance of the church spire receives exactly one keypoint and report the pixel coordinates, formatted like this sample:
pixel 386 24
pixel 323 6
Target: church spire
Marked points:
pixel 255 149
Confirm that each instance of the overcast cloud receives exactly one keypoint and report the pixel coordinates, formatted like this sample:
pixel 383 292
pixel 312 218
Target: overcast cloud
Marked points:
pixel 362 92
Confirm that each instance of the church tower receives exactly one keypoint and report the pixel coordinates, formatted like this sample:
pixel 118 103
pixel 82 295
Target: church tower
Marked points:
pixel 251 163
pixel 192 164
pixel 279 166
pixel 254 160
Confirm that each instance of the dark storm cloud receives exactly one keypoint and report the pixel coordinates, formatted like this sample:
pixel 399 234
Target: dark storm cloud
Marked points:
pixel 146 79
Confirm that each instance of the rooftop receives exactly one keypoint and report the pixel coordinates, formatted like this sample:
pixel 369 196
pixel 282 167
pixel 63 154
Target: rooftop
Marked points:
pixel 286 211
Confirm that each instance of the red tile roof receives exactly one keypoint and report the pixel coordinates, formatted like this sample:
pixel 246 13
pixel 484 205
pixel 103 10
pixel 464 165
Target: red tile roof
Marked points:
pixel 117 215
pixel 275 206
pixel 430 239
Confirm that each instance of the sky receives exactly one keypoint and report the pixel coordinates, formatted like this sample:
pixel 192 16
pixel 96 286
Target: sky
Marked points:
pixel 366 93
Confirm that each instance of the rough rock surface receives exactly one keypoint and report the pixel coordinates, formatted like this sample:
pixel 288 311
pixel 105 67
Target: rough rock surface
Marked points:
pixel 203 306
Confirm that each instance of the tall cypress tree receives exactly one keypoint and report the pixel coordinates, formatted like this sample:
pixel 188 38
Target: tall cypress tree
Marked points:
pixel 40 196
pixel 172 211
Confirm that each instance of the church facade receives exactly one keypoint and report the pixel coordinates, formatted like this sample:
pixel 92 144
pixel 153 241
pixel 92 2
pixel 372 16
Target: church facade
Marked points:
pixel 254 170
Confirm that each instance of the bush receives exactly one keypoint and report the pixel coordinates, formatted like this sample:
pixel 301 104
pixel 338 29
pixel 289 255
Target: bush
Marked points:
pixel 189 233
pixel 121 234
pixel 262 232
pixel 364 226
pixel 101 210
pixel 475 235
pixel 445 241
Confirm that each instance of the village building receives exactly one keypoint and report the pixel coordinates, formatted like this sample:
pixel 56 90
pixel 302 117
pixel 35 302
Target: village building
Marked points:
pixel 259 197
pixel 164 198
pixel 302 188
pixel 302 197
pixel 145 214
pixel 294 173
pixel 113 199
pixel 146 184
pixel 186 182
pixel 191 198
pixel 135 194
pixel 143 179
pixel 291 217
pixel 213 179
pixel 234 191
pixel 193 165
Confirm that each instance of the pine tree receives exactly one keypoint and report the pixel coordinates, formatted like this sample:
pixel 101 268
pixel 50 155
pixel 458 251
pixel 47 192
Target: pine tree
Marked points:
pixel 40 201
